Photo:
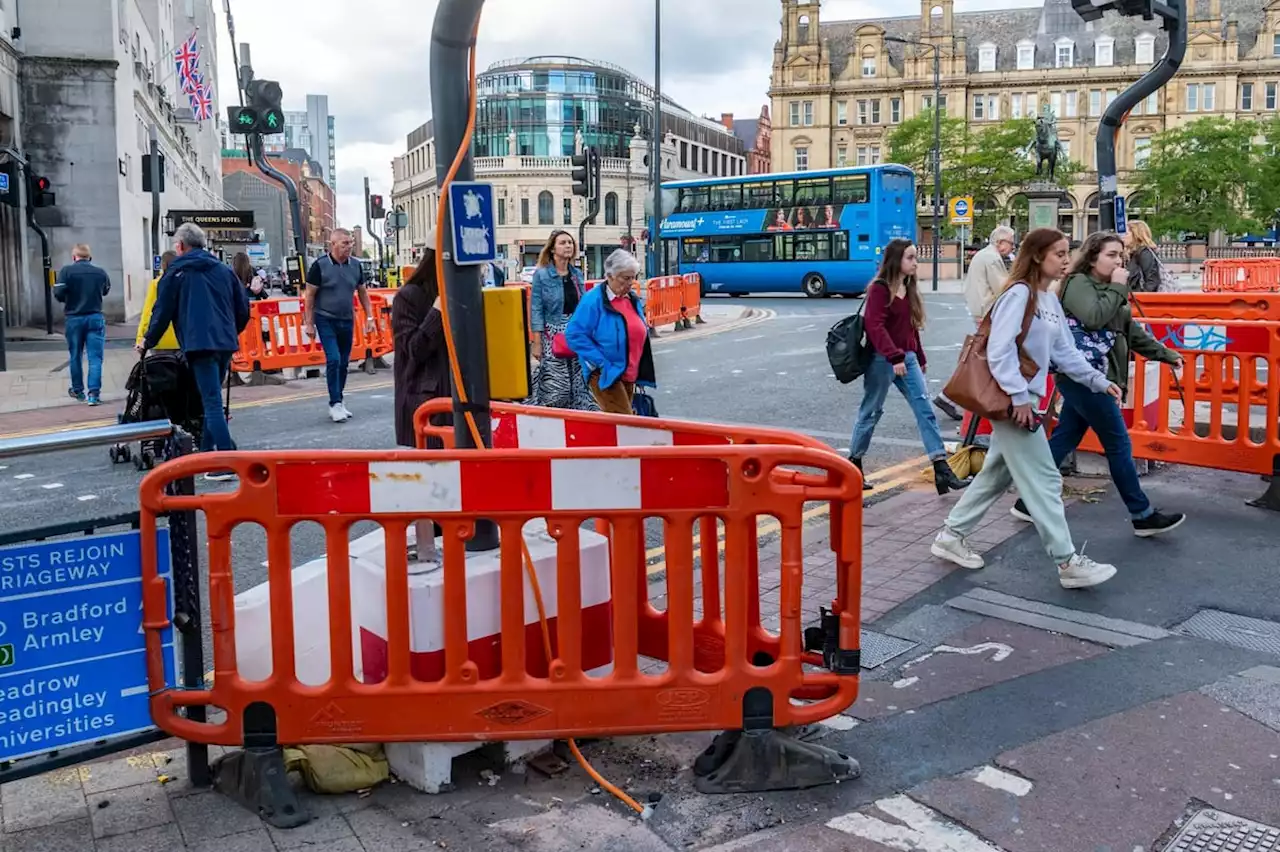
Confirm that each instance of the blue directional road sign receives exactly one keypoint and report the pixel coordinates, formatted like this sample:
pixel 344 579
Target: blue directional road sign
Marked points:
pixel 72 648
pixel 472 219
pixel 4 182
pixel 155 264
pixel 1122 218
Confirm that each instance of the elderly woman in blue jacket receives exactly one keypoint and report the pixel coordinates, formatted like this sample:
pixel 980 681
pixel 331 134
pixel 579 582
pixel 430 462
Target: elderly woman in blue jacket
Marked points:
pixel 609 335
pixel 555 293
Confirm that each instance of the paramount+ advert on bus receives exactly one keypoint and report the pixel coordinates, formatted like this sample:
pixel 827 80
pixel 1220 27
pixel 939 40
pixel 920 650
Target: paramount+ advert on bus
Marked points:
pixel 804 218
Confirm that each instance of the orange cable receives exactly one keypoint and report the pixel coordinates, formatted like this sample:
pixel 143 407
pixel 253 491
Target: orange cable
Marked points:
pixel 456 371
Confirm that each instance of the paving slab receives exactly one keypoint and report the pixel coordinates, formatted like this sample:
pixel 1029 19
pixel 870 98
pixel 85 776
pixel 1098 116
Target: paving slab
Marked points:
pixel 1121 781
pixel 129 809
pixel 48 799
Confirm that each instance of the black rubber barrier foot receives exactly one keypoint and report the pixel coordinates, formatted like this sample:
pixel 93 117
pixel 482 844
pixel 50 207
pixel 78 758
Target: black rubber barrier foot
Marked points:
pixel 1270 498
pixel 698 320
pixel 381 363
pixel 765 761
pixel 256 779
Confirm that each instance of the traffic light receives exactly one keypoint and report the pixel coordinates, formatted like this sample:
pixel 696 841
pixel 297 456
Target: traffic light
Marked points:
pixel 242 119
pixel 582 174
pixel 263 114
pixel 9 177
pixel 39 191
pixel 376 210
pixel 146 173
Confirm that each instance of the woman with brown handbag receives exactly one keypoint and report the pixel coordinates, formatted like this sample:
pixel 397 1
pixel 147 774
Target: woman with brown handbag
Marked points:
pixel 1024 332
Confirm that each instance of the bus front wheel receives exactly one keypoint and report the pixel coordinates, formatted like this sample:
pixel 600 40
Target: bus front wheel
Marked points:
pixel 815 286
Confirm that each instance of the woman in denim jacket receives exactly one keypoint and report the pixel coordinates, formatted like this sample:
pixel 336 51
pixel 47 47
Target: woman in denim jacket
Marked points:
pixel 556 290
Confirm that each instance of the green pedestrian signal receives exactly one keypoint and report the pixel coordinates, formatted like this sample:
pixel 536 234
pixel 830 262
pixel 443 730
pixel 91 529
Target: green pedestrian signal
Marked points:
pixel 242 119
pixel 271 121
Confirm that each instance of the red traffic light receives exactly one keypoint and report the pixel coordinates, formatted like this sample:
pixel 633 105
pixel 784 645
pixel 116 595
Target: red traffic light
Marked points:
pixel 42 184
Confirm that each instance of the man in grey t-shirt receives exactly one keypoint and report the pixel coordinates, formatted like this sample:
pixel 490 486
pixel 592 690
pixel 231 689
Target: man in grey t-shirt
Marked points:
pixel 332 283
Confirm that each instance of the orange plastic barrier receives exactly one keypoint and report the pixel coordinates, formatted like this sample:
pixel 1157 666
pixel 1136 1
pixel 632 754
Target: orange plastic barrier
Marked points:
pixel 274 338
pixel 681 485
pixel 664 301
pixel 1208 306
pixel 692 297
pixel 1193 426
pixel 1242 275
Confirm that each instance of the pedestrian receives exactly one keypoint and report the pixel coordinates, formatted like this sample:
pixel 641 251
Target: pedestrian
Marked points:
pixel 1144 263
pixel 988 272
pixel 81 287
pixel 894 316
pixel 1019 451
pixel 333 282
pixel 556 290
pixel 609 335
pixel 168 341
pixel 1095 299
pixel 208 307
pixel 252 280
pixel 421 369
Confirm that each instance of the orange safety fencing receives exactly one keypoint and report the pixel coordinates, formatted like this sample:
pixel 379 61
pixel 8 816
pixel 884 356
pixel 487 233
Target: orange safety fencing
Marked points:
pixel 275 339
pixel 1214 422
pixel 527 696
pixel 1242 275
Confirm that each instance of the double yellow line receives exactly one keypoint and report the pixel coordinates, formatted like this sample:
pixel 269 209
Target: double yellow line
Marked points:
pixel 881 480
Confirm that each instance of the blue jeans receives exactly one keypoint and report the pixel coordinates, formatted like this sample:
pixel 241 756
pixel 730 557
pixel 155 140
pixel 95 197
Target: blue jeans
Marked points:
pixel 210 371
pixel 335 337
pixel 86 332
pixel 1082 410
pixel 875 387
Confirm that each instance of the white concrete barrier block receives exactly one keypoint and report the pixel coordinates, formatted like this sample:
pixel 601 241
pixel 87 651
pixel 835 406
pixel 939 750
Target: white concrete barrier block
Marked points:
pixel 428 767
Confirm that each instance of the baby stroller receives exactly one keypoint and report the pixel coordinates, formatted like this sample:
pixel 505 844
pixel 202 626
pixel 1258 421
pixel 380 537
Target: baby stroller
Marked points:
pixel 161 387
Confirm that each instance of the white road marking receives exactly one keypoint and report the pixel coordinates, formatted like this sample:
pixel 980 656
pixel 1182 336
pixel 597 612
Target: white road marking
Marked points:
pixel 25 476
pixel 905 682
pixel 50 486
pixel 745 339
pixel 841 722
pixel 85 498
pixel 806 328
pixel 924 830
pixel 998 779
pixel 736 372
pixel 783 373
pixel 1001 650
pixel 4 467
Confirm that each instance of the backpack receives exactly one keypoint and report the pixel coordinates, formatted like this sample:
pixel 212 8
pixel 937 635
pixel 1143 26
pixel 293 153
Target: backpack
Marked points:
pixel 1168 281
pixel 848 350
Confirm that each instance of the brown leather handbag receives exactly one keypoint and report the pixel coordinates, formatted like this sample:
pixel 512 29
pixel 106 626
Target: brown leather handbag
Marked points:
pixel 972 386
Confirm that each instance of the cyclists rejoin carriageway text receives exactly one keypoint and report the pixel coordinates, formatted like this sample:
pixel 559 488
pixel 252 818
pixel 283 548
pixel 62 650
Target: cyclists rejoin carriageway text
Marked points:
pixel 75 562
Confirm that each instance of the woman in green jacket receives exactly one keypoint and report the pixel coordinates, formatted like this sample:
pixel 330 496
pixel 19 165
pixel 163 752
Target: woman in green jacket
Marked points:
pixel 1095 298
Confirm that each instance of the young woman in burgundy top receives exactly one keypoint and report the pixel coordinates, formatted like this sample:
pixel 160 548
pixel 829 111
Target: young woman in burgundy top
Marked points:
pixel 894 315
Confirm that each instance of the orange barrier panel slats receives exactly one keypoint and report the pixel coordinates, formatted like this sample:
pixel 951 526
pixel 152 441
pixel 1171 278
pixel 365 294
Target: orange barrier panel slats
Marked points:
pixel 1237 368
pixel 274 338
pixel 1208 306
pixel 692 294
pixel 623 486
pixel 1241 275
pixel 663 299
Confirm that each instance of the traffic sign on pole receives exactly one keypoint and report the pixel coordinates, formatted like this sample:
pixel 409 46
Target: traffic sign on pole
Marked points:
pixel 471 217
pixel 1122 220
pixel 73 663
pixel 961 210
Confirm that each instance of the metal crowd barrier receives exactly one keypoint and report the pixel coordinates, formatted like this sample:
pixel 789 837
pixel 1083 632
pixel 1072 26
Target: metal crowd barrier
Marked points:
pixel 77 705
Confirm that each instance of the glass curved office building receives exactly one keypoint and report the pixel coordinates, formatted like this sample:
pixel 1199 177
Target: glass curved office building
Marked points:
pixel 545 100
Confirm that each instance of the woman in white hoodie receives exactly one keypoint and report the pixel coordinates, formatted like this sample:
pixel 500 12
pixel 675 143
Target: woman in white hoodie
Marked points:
pixel 1019 453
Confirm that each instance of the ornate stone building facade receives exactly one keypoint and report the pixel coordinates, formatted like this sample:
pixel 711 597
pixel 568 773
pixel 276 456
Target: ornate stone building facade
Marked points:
pixel 839 87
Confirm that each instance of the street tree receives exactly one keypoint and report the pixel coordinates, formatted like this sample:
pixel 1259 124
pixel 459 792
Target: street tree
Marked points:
pixel 1264 195
pixel 1205 177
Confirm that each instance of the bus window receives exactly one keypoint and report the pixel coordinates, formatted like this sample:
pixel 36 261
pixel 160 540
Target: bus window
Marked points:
pixel 726 197
pixel 840 245
pixel 759 196
pixel 757 250
pixel 693 199
pixel 851 189
pixel 694 250
pixel 814 191
pixel 726 249
pixel 785 195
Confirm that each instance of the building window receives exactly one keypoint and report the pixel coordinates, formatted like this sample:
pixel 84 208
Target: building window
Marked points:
pixel 802 29
pixel 842 155
pixel 1026 55
pixel 502 211
pixel 1144 49
pixel 1071 106
pixel 1141 152
pixel 568 211
pixel 1095 103
pixel 862 155
pixel 875 111
pixel 684 155
pixel 1153 103
pixel 1246 96
pixel 895 110
pixel 1271 96
pixel 1209 97
pixel 546 208
pixel 1104 52
pixel 697 159
pixel 802 159
pixel 706 155
pixel 1275 45
pixel 868 66
pixel 1193 97
pixel 842 113
pixel 1112 94
pixel 1033 104
pixel 808 118
pixel 795 113
pixel 875 155
pixel 524 211
pixel 979 105
pixel 1015 105
pixel 1055 104
pixel 1065 53
pixel 987 57
pixel 862 112
pixel 611 209
pixel 926 103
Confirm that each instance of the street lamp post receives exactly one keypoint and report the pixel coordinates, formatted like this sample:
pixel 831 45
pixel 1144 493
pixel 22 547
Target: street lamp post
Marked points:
pixel 936 153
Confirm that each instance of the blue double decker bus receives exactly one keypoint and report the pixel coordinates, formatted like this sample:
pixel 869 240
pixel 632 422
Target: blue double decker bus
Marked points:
pixel 816 232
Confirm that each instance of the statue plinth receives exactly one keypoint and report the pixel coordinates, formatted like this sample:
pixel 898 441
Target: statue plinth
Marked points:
pixel 1043 201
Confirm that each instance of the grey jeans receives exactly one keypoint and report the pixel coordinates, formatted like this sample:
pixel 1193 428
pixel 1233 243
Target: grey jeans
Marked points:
pixel 1021 458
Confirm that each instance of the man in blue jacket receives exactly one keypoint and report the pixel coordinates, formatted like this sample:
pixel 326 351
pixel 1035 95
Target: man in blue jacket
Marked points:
pixel 80 287
pixel 209 308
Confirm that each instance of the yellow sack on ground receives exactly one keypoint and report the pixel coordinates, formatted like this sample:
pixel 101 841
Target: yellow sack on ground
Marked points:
pixel 338 768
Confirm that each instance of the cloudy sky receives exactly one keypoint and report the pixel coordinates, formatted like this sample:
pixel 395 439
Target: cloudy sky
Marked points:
pixel 716 56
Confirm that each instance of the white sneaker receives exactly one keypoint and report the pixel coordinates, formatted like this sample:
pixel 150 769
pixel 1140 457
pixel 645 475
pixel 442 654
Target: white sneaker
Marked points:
pixel 1082 572
pixel 337 413
pixel 953 548
pixel 346 412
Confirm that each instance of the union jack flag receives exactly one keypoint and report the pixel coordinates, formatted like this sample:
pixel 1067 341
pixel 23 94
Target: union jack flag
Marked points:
pixel 202 103
pixel 191 83
pixel 187 59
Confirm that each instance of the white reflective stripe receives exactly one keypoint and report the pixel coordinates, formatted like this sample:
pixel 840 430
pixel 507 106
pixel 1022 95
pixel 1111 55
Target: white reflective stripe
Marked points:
pixel 540 433
pixel 290 306
pixel 1151 385
pixel 633 436
pixel 415 487
pixel 602 484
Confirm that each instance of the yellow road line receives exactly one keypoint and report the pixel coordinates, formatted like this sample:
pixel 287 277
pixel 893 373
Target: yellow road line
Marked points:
pixel 768 527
